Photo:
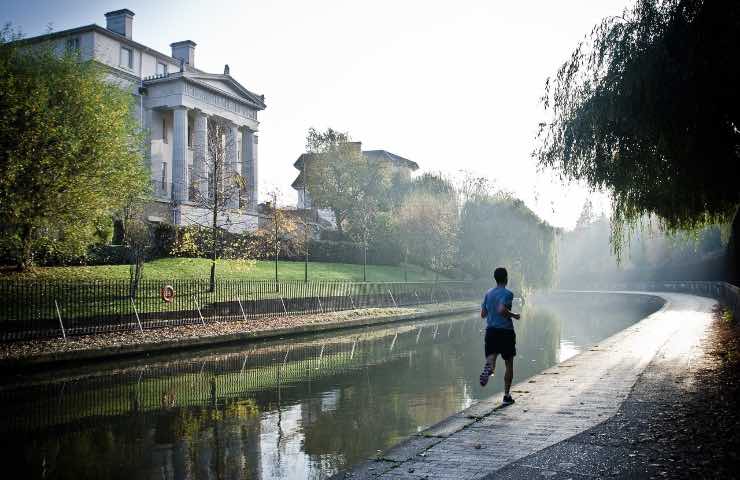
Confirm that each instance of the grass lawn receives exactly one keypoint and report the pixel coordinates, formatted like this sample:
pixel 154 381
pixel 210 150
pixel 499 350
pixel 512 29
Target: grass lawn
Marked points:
pixel 199 268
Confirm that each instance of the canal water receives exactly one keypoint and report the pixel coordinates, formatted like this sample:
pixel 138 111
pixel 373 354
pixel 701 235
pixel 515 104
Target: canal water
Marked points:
pixel 298 408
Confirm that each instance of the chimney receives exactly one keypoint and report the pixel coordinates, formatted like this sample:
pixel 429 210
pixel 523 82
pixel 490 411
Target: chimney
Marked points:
pixel 184 51
pixel 355 147
pixel 121 22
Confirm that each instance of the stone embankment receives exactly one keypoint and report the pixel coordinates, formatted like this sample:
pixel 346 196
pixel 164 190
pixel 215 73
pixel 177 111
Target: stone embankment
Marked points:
pixel 560 403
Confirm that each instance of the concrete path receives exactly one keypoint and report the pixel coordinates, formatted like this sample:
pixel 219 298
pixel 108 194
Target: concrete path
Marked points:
pixel 553 406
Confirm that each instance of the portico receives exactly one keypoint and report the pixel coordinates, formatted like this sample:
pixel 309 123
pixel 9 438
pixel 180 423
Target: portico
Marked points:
pixel 179 107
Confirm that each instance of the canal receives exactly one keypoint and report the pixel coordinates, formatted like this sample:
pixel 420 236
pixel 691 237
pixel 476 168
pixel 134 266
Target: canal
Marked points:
pixel 304 407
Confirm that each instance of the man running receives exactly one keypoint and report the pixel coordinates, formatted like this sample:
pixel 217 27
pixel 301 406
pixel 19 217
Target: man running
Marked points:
pixel 500 336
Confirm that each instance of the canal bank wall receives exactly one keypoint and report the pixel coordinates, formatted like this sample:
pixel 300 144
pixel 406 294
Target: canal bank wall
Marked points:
pixel 552 406
pixel 51 354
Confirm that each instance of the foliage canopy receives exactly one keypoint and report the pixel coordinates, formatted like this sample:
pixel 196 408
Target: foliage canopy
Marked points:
pixel 70 150
pixel 649 108
pixel 343 180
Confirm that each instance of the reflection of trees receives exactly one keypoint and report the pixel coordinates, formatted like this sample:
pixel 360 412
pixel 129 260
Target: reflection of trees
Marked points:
pixel 375 415
pixel 182 441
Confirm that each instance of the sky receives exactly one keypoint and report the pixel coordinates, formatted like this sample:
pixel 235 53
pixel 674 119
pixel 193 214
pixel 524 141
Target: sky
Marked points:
pixel 452 86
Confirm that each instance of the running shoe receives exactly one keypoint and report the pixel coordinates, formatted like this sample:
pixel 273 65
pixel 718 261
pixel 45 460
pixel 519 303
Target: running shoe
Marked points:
pixel 508 400
pixel 485 375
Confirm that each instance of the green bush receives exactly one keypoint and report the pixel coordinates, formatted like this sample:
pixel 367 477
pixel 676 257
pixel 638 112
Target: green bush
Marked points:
pixel 194 241
pixel 350 252
pixel 165 236
pixel 107 255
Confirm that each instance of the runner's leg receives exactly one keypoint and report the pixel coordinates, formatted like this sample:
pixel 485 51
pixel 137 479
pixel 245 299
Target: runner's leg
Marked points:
pixel 491 360
pixel 508 375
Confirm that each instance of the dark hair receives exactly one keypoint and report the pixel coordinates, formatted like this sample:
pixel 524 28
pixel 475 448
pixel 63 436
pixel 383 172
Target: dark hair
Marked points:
pixel 501 275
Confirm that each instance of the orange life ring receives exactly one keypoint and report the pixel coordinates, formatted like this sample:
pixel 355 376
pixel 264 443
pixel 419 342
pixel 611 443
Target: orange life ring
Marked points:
pixel 167 293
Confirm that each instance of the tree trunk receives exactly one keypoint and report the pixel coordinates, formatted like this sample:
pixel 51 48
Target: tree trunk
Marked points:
pixel 364 265
pixel 214 238
pixel 339 219
pixel 137 268
pixel 406 265
pixel 25 262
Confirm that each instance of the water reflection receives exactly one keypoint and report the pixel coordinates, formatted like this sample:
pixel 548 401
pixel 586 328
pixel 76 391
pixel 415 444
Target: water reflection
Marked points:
pixel 303 408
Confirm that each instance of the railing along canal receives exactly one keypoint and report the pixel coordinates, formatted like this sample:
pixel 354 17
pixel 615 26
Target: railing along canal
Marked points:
pixel 54 309
pixel 726 293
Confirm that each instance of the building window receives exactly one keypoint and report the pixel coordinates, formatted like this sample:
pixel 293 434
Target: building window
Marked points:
pixel 73 45
pixel 164 130
pixel 190 136
pixel 164 178
pixel 161 68
pixel 127 57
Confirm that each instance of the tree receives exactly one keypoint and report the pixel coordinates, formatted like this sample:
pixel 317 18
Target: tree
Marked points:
pixel 284 235
pixel 137 238
pixel 428 229
pixel 373 183
pixel 70 150
pixel 337 175
pixel 649 108
pixel 217 185
pixel 587 215
pixel 499 230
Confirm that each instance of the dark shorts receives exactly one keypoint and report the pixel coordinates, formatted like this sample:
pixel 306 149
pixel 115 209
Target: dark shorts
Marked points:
pixel 501 341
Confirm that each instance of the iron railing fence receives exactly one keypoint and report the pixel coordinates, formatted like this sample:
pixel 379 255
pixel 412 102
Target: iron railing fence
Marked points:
pixel 31 309
pixel 726 293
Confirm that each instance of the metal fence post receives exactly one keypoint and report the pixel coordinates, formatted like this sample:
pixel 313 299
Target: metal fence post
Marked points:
pixel 394 300
pixel 283 302
pixel 242 309
pixel 138 320
pixel 61 324
pixel 199 313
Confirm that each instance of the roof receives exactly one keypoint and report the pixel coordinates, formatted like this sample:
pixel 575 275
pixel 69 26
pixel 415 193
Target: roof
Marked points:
pixel 396 160
pixel 254 100
pixel 375 155
pixel 104 31
pixel 298 182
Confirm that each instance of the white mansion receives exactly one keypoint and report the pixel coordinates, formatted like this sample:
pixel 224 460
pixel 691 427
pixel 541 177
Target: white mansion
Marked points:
pixel 174 103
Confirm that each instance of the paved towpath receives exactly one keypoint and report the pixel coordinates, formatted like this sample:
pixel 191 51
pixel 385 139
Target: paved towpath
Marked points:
pixel 557 404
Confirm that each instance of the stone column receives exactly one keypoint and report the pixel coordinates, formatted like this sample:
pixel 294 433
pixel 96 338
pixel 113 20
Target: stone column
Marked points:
pixel 146 119
pixel 249 166
pixel 152 172
pixel 180 155
pixel 232 165
pixel 200 154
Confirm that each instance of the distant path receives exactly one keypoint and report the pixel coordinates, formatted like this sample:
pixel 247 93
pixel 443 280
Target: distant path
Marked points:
pixel 554 405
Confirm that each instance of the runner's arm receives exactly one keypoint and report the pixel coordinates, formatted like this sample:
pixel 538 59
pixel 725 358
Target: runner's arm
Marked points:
pixel 507 313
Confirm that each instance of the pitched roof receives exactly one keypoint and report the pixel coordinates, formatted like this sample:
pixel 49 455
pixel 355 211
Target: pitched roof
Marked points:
pixel 257 101
pixel 298 182
pixel 396 160
pixel 373 155
pixel 104 31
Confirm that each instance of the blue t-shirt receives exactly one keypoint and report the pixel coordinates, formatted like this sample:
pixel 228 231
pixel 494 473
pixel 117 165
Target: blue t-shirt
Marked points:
pixel 494 298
